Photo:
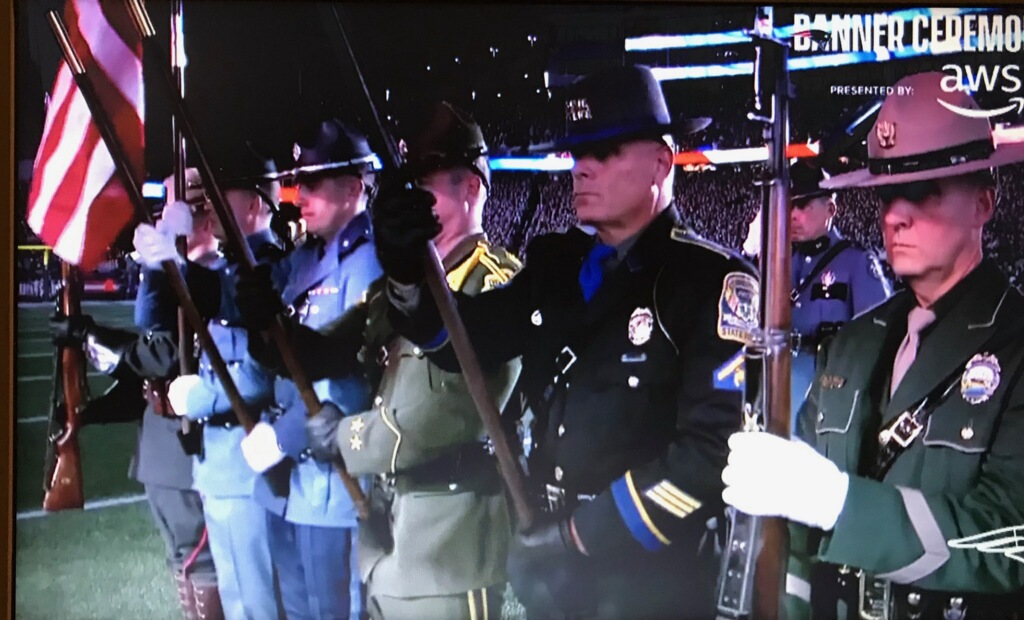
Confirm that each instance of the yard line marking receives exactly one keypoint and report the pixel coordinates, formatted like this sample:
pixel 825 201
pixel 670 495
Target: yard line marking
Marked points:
pixel 33 419
pixel 93 505
pixel 50 377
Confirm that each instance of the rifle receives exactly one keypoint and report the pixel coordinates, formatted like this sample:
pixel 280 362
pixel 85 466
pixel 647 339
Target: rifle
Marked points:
pixel 752 577
pixel 62 474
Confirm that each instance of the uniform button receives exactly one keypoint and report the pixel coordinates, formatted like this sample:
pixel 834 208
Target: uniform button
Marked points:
pixel 223 322
pixel 807 259
pixel 536 317
pixel 561 429
pixel 452 486
pixel 418 352
pixel 559 473
pixel 798 304
pixel 378 401
pixel 633 382
pixel 967 433
pixel 314 309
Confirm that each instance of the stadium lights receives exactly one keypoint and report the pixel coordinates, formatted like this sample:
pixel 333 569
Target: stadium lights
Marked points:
pixel 650 43
pixel 154 190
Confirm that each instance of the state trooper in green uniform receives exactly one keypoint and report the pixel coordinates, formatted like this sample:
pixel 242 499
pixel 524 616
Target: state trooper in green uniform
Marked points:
pixel 904 503
pixel 435 546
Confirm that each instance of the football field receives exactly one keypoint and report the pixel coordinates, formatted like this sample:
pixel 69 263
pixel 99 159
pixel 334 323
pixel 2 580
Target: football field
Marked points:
pixel 102 563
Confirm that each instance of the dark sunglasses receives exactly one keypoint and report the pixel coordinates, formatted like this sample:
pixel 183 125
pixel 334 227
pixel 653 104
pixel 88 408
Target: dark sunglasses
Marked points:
pixel 598 150
pixel 915 192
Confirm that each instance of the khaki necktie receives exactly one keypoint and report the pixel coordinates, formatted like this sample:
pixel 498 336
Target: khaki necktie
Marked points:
pixel 918 319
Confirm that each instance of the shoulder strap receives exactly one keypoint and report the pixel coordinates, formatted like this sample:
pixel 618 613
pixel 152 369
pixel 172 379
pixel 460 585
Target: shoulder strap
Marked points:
pixel 829 256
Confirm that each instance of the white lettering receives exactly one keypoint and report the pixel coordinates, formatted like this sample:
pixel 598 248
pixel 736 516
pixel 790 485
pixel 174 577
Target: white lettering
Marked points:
pixel 917 42
pixel 801 23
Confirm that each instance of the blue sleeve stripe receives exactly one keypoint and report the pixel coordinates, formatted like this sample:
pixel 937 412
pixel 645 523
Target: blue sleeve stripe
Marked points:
pixel 634 514
pixel 437 341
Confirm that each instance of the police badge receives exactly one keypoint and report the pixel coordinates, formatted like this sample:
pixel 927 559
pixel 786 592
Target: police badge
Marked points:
pixel 641 325
pixel 980 378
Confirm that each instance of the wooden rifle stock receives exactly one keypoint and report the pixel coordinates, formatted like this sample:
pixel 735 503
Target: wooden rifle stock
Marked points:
pixel 63 483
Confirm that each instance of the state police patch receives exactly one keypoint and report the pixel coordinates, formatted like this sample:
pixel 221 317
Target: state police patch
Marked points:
pixel 738 307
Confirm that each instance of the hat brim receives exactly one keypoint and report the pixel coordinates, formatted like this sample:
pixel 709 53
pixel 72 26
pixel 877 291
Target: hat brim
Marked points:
pixel 680 128
pixel 809 195
pixel 311 169
pixel 1003 155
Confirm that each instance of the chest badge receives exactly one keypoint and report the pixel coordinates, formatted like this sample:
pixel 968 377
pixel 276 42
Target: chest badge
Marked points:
pixel 641 325
pixel 980 378
pixel 828 279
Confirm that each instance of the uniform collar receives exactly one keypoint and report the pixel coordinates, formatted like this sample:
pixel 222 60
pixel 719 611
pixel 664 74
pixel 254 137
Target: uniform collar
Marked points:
pixel 985 276
pixel 814 247
pixel 647 243
pixel 462 250
pixel 357 230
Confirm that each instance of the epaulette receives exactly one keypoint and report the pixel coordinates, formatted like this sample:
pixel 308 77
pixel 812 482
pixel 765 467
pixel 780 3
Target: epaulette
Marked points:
pixel 687 235
pixel 499 269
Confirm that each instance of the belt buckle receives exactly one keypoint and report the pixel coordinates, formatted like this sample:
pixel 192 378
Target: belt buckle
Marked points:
pixel 904 431
pixel 555 497
pixel 566 351
pixel 874 598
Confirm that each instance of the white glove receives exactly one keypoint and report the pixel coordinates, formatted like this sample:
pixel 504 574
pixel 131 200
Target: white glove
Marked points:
pixel 176 220
pixel 775 477
pixel 180 389
pixel 154 247
pixel 260 448
pixel 752 244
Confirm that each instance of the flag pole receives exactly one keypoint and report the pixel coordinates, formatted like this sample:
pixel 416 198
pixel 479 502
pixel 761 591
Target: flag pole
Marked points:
pixel 117 154
pixel 235 240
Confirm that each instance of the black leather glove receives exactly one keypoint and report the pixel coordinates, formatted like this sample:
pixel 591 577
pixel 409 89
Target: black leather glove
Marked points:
pixel 540 565
pixel 70 331
pixel 258 301
pixel 322 433
pixel 403 223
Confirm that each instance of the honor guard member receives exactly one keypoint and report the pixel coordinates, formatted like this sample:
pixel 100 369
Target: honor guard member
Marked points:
pixel 912 486
pixel 622 336
pixel 160 463
pixel 834 279
pixel 312 526
pixel 436 545
pixel 236 523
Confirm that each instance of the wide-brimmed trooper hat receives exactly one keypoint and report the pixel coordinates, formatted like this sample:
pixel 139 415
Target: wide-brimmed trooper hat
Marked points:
pixel 618 104
pixel 805 179
pixel 445 137
pixel 330 147
pixel 919 136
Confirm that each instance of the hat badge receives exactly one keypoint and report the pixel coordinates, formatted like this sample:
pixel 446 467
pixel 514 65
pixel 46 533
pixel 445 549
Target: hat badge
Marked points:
pixel 885 131
pixel 980 378
pixel 578 109
pixel 641 325
pixel 296 151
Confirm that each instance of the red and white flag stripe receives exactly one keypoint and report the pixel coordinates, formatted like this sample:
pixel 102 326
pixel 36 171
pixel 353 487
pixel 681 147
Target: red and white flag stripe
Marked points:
pixel 78 203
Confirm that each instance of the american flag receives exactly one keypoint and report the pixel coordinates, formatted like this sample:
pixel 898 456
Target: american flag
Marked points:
pixel 78 203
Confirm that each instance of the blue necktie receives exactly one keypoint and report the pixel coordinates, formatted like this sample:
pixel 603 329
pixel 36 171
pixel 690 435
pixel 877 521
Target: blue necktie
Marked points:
pixel 592 272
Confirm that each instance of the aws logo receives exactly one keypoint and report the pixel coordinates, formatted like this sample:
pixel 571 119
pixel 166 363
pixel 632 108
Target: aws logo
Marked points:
pixel 965 78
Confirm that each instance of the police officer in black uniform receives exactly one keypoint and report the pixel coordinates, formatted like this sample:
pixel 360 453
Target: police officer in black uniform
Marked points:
pixel 622 335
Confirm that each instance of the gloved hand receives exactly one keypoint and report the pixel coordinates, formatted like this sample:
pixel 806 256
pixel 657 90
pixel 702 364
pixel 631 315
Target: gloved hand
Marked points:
pixel 322 433
pixel 180 389
pixel 176 220
pixel 540 565
pixel 70 331
pixel 752 244
pixel 258 301
pixel 154 247
pixel 403 223
pixel 775 477
pixel 260 448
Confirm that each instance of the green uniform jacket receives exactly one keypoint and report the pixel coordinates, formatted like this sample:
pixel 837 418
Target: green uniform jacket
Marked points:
pixel 449 519
pixel 962 476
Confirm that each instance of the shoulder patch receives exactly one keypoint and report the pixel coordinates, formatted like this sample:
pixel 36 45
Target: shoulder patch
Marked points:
pixel 686 235
pixel 738 307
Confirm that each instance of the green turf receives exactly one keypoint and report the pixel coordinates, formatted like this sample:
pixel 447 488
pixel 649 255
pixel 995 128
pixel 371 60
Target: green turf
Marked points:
pixel 97 565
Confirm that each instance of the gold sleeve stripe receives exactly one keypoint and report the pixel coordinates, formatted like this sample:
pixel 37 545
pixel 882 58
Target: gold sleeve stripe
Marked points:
pixel 394 429
pixel 673 491
pixel 668 503
pixel 642 510
pixel 457 275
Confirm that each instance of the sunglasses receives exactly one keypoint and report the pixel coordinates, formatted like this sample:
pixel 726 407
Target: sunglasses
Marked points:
pixel 915 192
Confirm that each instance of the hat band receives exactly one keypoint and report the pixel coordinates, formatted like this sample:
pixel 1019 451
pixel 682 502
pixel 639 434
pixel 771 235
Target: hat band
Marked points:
pixel 944 158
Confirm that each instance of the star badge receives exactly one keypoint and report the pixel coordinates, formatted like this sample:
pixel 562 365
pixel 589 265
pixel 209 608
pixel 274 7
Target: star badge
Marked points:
pixel 357 425
pixel 356 443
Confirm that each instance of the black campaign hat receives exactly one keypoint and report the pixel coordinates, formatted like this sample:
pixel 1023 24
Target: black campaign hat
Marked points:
pixel 244 168
pixel 332 146
pixel 619 104
pixel 445 137
pixel 805 179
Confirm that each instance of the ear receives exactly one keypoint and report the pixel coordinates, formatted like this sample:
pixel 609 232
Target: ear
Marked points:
pixel 665 160
pixel 831 204
pixel 984 206
pixel 472 187
pixel 355 188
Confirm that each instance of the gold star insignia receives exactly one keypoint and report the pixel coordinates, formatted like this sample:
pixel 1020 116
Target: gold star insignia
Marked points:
pixel 357 425
pixel 356 443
